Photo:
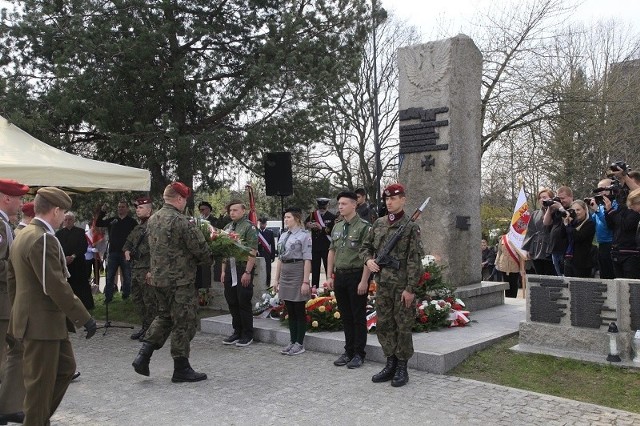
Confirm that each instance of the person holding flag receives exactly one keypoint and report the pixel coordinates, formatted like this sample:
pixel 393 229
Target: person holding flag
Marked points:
pixel 266 247
pixel 320 222
pixel 509 258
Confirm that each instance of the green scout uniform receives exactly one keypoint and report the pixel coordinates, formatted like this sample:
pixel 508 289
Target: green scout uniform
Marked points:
pixel 346 242
pixel 142 294
pixel 176 247
pixel 394 319
pixel 237 296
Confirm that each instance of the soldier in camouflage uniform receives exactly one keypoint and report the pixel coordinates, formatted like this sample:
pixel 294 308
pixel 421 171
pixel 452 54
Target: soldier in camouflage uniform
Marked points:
pixel 176 246
pixel 136 250
pixel 396 288
pixel 237 277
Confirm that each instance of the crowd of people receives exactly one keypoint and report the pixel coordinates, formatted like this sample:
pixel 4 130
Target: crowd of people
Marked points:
pixel 561 234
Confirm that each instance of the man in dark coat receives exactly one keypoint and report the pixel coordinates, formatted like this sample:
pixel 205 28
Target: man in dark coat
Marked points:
pixel 320 222
pixel 74 244
pixel 266 247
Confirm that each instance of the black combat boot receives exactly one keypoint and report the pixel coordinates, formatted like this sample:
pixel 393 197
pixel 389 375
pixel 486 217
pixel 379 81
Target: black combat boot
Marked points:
pixel 401 377
pixel 182 371
pixel 387 372
pixel 141 363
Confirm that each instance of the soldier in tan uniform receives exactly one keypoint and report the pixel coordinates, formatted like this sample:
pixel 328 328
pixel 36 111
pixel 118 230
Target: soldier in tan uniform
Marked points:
pixel 176 246
pixel 44 308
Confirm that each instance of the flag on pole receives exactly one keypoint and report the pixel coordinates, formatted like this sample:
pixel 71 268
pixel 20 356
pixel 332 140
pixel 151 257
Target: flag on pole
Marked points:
pixel 519 221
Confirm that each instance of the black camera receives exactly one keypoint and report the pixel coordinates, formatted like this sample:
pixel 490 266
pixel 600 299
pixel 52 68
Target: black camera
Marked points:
pixel 569 213
pixel 620 165
pixel 598 199
pixel 549 203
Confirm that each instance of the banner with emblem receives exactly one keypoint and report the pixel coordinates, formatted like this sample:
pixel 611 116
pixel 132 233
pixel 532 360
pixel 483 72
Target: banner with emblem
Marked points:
pixel 519 221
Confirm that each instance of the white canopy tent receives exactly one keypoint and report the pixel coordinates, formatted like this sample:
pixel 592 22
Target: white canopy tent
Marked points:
pixel 34 163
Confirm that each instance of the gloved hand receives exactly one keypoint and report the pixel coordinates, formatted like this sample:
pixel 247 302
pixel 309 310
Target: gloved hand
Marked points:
pixel 90 327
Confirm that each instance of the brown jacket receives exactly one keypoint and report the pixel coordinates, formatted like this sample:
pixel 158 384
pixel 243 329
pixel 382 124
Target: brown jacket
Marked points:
pixel 36 268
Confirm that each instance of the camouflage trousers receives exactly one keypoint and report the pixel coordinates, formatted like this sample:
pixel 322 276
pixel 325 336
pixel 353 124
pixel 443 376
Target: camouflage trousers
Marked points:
pixel 177 308
pixel 143 296
pixel 394 323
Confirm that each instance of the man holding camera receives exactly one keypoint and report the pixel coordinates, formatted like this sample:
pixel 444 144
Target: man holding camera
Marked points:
pixel 604 235
pixel 554 225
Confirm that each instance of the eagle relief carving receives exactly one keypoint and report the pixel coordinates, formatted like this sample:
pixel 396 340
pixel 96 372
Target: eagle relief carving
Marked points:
pixel 424 67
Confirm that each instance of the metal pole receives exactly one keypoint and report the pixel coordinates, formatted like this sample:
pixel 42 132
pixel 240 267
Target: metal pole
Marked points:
pixel 376 140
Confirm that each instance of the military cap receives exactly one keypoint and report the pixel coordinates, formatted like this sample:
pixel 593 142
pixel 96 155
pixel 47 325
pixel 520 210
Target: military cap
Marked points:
pixel 28 209
pixel 347 194
pixel 13 188
pixel 206 204
pixel 143 200
pixel 183 190
pixel 322 201
pixel 393 189
pixel 55 196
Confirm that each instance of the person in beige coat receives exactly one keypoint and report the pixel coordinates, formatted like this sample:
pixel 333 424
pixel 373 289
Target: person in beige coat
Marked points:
pixel 44 308
pixel 507 265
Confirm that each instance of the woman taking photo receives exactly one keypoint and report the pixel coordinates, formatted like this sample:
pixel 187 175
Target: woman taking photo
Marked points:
pixel 292 277
pixel 578 259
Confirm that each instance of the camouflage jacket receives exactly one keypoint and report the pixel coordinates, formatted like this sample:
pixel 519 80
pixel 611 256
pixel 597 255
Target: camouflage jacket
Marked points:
pixel 177 246
pixel 138 244
pixel 408 251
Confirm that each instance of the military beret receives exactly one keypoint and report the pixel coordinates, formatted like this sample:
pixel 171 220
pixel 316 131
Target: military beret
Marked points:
pixel 322 201
pixel 347 194
pixel 143 200
pixel 28 209
pixel 206 204
pixel 183 190
pixel 13 188
pixel 394 189
pixel 55 196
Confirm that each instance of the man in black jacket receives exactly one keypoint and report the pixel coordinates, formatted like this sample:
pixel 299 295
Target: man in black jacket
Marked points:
pixel 119 228
pixel 266 247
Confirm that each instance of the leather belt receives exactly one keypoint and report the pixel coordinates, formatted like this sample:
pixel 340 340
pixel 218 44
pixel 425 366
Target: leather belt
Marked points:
pixel 291 260
pixel 348 271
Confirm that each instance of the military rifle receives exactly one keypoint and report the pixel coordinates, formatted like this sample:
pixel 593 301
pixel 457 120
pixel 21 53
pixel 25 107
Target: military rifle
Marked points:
pixel 384 258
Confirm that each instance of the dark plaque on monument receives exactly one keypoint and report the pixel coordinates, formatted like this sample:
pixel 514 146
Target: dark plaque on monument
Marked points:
pixel 547 304
pixel 421 137
pixel 587 303
pixel 634 303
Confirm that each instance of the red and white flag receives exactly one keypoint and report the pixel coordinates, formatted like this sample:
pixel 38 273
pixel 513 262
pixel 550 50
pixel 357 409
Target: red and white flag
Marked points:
pixel 519 221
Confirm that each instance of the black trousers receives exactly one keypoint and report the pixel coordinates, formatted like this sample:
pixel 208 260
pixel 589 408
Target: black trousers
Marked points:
pixel 239 300
pixel 544 267
pixel 353 312
pixel 316 259
pixel 626 265
pixel 514 280
pixel 604 261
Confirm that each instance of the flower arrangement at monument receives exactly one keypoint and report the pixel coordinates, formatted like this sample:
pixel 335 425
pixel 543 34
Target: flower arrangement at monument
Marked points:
pixel 222 243
pixel 323 314
pixel 270 305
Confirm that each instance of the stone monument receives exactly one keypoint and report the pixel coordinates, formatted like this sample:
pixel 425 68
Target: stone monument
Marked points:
pixel 440 149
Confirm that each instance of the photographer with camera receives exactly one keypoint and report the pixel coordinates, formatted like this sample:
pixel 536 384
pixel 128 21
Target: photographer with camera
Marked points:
pixel 536 241
pixel 553 222
pixel 633 203
pixel 624 221
pixel 604 235
pixel 622 173
pixel 580 231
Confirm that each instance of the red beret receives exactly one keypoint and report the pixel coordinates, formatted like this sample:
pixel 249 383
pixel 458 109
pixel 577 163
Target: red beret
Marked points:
pixel 13 188
pixel 394 189
pixel 143 200
pixel 181 189
pixel 28 209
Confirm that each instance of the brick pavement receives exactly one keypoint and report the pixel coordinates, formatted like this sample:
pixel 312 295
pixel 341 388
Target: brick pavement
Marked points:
pixel 256 385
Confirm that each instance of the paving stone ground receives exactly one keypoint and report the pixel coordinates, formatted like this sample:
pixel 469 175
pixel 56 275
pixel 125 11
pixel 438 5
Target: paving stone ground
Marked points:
pixel 258 386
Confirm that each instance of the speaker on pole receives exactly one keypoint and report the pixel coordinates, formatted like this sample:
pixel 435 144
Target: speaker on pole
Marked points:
pixel 277 173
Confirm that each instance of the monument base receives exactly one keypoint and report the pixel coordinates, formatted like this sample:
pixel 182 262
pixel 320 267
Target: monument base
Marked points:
pixel 483 295
pixel 217 300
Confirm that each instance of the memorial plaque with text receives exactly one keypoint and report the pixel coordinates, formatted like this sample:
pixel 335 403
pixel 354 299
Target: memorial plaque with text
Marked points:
pixel 634 305
pixel 547 303
pixel 588 304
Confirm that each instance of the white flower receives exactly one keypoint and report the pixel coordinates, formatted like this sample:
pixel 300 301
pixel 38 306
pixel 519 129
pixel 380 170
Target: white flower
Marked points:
pixel 421 307
pixel 332 294
pixel 434 302
pixel 425 303
pixel 438 308
pixel 257 305
pixel 428 260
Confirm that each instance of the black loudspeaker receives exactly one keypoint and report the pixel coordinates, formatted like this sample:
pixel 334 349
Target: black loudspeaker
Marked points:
pixel 277 173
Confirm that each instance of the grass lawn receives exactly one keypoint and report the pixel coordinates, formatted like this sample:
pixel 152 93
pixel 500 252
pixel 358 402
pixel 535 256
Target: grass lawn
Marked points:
pixel 124 311
pixel 581 381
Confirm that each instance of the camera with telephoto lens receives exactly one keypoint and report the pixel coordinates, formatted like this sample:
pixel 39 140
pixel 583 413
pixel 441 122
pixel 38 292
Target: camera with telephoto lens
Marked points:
pixel 568 212
pixel 598 199
pixel 549 203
